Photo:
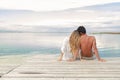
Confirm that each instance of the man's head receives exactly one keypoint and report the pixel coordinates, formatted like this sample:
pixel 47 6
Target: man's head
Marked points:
pixel 81 30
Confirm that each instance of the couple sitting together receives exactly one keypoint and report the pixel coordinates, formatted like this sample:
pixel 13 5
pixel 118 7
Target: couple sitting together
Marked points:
pixel 79 45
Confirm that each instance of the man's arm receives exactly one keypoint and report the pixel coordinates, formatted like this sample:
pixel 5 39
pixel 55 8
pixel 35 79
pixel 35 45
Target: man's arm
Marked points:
pixel 96 50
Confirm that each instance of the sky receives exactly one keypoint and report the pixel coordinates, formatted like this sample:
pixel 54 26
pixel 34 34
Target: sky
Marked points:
pixel 49 5
pixel 42 17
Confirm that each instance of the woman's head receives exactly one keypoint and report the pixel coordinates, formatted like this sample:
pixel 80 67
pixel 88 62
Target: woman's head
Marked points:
pixel 74 41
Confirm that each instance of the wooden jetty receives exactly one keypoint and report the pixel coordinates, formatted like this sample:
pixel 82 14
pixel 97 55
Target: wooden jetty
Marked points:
pixel 46 67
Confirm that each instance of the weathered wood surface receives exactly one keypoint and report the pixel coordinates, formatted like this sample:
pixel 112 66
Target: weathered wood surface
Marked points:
pixel 4 69
pixel 46 67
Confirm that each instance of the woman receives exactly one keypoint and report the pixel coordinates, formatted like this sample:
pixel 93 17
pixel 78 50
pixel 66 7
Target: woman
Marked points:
pixel 70 47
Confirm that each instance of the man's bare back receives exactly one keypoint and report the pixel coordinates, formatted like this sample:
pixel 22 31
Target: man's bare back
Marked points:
pixel 88 47
pixel 86 44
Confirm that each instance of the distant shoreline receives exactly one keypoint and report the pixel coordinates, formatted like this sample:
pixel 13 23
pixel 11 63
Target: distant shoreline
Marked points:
pixel 106 33
pixel 67 32
pixel 35 32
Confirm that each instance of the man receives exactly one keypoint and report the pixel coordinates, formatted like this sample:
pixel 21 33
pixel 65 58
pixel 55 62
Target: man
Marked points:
pixel 88 45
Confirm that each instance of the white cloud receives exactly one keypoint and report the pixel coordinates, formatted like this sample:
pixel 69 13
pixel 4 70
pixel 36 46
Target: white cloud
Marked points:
pixel 47 5
pixel 93 19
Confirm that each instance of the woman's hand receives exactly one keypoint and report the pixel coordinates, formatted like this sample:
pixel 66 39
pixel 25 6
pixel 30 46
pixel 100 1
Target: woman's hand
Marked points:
pixel 59 59
pixel 71 60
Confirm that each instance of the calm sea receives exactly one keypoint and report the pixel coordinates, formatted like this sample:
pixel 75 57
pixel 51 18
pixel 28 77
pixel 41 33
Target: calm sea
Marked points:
pixel 50 43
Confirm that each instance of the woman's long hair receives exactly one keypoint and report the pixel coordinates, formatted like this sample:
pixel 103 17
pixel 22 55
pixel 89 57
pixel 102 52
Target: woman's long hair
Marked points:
pixel 74 41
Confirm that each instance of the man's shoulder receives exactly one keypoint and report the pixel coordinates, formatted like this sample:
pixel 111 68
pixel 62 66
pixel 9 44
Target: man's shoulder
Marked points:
pixel 92 37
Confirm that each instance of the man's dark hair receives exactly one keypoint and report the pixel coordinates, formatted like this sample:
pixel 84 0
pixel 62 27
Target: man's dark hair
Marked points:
pixel 81 29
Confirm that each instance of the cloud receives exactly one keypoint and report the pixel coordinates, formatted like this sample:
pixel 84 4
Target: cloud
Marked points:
pixel 49 5
pixel 66 20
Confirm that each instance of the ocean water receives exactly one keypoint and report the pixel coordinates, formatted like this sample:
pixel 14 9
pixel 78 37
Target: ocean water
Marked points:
pixel 50 43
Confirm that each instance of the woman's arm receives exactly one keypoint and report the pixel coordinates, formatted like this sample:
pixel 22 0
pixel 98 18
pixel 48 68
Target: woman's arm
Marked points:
pixel 74 56
pixel 60 57
pixel 63 49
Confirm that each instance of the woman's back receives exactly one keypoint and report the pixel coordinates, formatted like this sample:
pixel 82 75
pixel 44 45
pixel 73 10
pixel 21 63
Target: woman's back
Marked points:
pixel 66 49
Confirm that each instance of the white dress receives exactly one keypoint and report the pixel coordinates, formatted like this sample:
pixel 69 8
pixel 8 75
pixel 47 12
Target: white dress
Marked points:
pixel 66 49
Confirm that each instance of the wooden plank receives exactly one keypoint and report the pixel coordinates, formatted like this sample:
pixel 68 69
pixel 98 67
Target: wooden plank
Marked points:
pixel 60 79
pixel 71 66
pixel 75 75
pixel 68 70
pixel 46 67
pixel 4 69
